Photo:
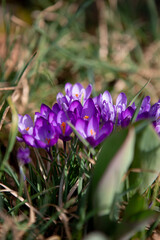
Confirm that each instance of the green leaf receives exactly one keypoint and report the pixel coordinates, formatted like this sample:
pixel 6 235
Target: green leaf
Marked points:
pixel 128 228
pixel 139 92
pixel 84 141
pixel 146 159
pixel 12 135
pixel 132 209
pixel 114 160
pixel 25 67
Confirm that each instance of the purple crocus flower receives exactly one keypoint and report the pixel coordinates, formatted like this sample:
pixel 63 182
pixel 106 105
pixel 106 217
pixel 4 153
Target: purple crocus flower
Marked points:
pixel 25 126
pixel 63 101
pixel 76 108
pixel 144 109
pixel 77 92
pixel 105 103
pixel 85 112
pixel 63 128
pixel 56 108
pixel 126 116
pixel 108 112
pixel 124 113
pixel 93 118
pixel 121 104
pixel 68 89
pixel 44 112
pixel 154 114
pixel 101 98
pixel 89 110
pixel 91 131
pixel 156 125
pixel 157 128
pixel 23 155
pixel 44 134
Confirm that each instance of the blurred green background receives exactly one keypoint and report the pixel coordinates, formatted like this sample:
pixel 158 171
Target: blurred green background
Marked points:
pixel 112 44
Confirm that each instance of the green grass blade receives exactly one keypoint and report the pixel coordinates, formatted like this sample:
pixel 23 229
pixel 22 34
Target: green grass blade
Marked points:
pixel 12 135
pixel 82 139
pixel 139 92
pixel 25 67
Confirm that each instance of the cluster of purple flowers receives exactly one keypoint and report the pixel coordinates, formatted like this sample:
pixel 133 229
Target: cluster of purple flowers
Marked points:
pixel 94 118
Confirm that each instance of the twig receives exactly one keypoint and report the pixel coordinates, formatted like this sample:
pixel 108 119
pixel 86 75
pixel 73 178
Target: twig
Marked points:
pixel 4 116
pixel 15 194
pixel 9 88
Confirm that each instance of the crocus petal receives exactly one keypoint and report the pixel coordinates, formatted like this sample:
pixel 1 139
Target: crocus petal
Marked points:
pixel 68 130
pixel 146 103
pixel 51 117
pixel 121 100
pixel 81 127
pixel 54 140
pixel 95 100
pixel 108 112
pixel 107 97
pixel 88 91
pixel 92 141
pixel 89 109
pixel 41 144
pixel 39 122
pixel 20 117
pixel 25 124
pixel 68 89
pixel 65 116
pixel 157 128
pixel 76 90
pixel 93 127
pixel 37 115
pixel 23 155
pixel 30 131
pixel 29 140
pixel 21 127
pixel 155 111
pixel 27 120
pixel 59 96
pixel 63 128
pixel 76 107
pixel 126 116
pixel 61 117
pixel 143 115
pixel 19 139
pixel 133 106
pixel 105 131
pixel 46 136
pixel 45 110
pixel 56 108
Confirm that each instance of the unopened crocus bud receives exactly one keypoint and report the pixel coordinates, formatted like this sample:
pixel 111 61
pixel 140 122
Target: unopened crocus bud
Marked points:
pixel 23 155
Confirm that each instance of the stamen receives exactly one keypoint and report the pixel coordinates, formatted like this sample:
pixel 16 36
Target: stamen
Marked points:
pixel 63 127
pixel 48 140
pixel 77 95
pixel 93 133
pixel 27 129
pixel 85 117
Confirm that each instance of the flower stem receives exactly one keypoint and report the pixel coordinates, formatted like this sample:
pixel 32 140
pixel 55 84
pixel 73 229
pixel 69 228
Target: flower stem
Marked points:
pixel 60 196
